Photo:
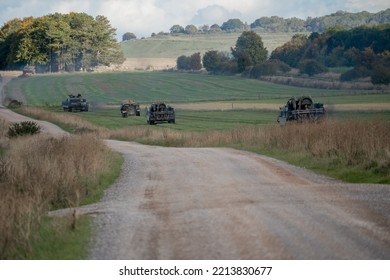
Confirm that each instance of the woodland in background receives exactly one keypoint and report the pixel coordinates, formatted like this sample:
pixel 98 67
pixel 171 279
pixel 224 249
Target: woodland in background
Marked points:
pixel 278 24
pixel 363 50
pixel 79 42
pixel 58 42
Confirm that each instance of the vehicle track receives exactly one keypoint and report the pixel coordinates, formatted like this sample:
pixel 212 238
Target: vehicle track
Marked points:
pixel 217 203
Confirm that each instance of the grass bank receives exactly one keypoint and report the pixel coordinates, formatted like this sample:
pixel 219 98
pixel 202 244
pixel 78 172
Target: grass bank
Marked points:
pixel 351 146
pixel 353 150
pixel 41 173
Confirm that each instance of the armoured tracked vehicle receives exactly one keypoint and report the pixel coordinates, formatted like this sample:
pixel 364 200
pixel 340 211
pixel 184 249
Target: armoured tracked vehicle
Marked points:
pixel 160 112
pixel 301 109
pixel 75 103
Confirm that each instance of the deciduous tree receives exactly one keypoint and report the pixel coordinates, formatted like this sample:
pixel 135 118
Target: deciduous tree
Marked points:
pixel 59 42
pixel 191 29
pixel 249 50
pixel 176 29
pixel 128 36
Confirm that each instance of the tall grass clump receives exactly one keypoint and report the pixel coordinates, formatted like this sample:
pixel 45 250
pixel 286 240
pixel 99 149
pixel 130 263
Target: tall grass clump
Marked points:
pixel 40 173
pixel 70 122
pixel 355 150
pixel 349 144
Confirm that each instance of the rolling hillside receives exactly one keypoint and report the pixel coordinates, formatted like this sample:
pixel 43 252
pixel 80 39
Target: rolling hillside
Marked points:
pixel 187 91
pixel 161 52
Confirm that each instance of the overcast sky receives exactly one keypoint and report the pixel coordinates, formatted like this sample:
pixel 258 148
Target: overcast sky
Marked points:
pixel 143 17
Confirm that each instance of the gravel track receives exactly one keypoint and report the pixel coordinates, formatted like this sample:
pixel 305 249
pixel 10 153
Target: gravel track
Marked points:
pixel 219 203
pixel 11 116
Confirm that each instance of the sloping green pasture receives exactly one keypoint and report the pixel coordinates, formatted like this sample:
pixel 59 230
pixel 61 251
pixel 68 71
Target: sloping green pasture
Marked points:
pixel 169 46
pixel 203 102
pixel 186 120
pixel 146 87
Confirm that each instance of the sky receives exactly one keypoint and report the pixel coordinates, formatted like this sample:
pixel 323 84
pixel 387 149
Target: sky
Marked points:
pixel 143 17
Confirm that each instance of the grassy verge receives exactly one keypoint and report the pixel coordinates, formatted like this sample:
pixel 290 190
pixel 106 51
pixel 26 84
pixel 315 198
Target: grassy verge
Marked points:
pixel 347 173
pixel 96 187
pixel 247 129
pixel 56 240
pixel 41 173
pixel 353 150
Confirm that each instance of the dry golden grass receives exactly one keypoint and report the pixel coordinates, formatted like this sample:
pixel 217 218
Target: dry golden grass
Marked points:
pixel 349 142
pixel 75 121
pixel 372 107
pixel 352 141
pixel 39 173
pixel 325 81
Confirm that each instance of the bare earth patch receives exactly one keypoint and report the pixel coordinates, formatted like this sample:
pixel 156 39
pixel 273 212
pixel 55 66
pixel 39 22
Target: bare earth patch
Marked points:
pixel 142 64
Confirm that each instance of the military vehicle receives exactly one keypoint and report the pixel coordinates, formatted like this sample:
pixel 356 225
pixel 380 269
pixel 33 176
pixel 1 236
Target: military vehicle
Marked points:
pixel 160 112
pixel 130 108
pixel 75 103
pixel 28 71
pixel 301 109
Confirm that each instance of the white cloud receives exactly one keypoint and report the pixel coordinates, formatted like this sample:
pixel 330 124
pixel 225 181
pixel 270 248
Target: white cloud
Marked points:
pixel 214 14
pixel 370 6
pixel 143 17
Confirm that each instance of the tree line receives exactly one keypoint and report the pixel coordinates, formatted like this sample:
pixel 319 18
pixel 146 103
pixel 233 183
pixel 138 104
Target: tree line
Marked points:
pixel 364 49
pixel 279 24
pixel 249 51
pixel 59 42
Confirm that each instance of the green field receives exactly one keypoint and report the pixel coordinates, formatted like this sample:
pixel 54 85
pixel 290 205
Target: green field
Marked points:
pixel 186 120
pixel 146 87
pixel 168 46
pixel 203 102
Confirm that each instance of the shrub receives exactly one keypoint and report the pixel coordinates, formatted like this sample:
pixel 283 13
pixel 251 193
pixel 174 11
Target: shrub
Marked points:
pixel 192 62
pixel 269 68
pixel 182 62
pixel 23 128
pixel 354 74
pixel 311 67
pixel 218 62
pixel 381 69
pixel 381 75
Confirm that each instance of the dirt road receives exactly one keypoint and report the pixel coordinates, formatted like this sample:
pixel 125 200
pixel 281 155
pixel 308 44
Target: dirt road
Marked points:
pixel 203 203
pixel 216 203
pixel 14 117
